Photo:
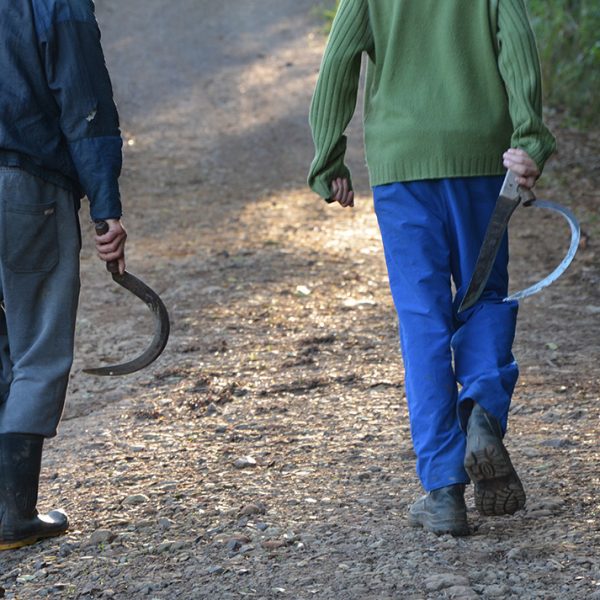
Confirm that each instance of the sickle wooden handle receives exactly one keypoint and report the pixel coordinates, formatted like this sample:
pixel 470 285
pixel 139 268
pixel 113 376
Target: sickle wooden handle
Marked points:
pixel 102 228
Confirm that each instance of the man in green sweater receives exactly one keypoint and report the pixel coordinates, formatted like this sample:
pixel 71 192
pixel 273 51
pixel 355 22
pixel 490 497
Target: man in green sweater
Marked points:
pixel 452 100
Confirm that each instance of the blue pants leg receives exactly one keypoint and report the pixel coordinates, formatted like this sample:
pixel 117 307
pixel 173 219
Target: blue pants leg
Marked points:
pixel 432 232
pixel 39 285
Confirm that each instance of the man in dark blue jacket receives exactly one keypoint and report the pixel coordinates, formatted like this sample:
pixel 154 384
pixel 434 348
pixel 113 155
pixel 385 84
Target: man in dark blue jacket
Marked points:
pixel 59 140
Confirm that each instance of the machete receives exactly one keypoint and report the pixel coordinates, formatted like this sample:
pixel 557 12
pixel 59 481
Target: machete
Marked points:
pixel 156 305
pixel 510 197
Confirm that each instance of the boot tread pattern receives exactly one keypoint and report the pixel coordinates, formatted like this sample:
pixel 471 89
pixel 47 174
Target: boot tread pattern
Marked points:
pixel 498 489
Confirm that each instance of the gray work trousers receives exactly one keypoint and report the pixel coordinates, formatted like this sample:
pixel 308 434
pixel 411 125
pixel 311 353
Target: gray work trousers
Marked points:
pixel 40 242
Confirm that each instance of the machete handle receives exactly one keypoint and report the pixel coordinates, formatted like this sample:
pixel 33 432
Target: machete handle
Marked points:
pixel 527 196
pixel 101 229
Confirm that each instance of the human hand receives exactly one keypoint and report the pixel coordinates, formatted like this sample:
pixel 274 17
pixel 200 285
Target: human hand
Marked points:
pixel 111 245
pixel 523 166
pixel 341 193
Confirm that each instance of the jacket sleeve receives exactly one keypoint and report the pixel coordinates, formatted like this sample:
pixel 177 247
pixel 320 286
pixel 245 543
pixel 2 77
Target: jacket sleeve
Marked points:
pixel 519 67
pixel 77 75
pixel 334 99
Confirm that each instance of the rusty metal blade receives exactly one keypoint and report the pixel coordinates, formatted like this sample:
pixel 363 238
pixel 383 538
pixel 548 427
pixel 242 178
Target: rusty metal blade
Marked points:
pixel 506 204
pixel 161 329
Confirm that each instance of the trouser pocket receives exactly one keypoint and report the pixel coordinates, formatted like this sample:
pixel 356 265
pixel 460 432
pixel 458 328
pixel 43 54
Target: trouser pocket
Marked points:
pixel 30 238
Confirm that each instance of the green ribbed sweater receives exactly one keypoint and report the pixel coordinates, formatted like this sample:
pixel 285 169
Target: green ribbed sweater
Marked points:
pixel 451 85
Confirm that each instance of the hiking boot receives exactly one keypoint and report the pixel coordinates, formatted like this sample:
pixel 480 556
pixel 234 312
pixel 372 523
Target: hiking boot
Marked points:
pixel 441 511
pixel 498 489
pixel 20 523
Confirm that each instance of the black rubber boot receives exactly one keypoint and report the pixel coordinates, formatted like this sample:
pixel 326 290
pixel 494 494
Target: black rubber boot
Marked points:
pixel 441 511
pixel 20 523
pixel 498 489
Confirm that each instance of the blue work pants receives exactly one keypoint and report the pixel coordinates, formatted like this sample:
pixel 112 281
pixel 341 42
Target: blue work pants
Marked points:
pixel 432 232
pixel 39 288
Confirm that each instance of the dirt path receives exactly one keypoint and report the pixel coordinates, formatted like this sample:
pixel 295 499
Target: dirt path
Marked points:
pixel 267 454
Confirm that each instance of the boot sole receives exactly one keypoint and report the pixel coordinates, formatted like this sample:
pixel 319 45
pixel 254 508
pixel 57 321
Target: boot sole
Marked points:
pixel 439 526
pixel 498 489
pixel 28 541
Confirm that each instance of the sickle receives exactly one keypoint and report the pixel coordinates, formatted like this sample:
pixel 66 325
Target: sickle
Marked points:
pixel 156 305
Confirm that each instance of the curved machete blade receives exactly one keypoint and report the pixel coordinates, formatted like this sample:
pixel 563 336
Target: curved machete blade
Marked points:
pixel 566 261
pixel 508 200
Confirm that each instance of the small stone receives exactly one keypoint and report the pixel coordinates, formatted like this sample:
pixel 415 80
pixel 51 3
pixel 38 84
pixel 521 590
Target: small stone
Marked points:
pixel 554 504
pixel 244 462
pixel 143 524
pixel 135 499
pixel 101 536
pixel 233 545
pixel 539 514
pixel 164 546
pixel 461 592
pixel 65 549
pixel 165 523
pixel 215 570
pixel 497 591
pixel 558 443
pixel 273 544
pixel 435 583
pixel 253 509
pixel 212 409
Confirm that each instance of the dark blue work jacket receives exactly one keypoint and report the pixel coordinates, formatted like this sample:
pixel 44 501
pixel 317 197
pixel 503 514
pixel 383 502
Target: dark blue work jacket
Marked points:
pixel 58 120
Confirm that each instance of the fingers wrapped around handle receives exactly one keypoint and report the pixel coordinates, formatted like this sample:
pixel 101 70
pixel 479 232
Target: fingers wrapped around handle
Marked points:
pixel 101 229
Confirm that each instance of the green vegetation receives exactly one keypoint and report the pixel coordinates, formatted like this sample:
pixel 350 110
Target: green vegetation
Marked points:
pixel 329 14
pixel 568 35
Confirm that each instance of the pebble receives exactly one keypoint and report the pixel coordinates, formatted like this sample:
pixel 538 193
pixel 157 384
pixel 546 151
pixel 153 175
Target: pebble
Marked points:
pixel 253 509
pixel 235 543
pixel 461 592
pixel 515 553
pixel 172 546
pixel 101 536
pixel 274 544
pixel 212 409
pixel 244 462
pixel 435 583
pixel 558 443
pixel 497 591
pixel 66 549
pixel 554 503
pixel 165 523
pixel 135 499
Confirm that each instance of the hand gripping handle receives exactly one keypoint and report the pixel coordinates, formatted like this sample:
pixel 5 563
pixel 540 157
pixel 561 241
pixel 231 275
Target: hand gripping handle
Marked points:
pixel 102 228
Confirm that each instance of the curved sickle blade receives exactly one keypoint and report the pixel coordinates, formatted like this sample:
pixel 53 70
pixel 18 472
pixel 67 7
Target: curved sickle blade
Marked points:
pixel 566 261
pixel 161 329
